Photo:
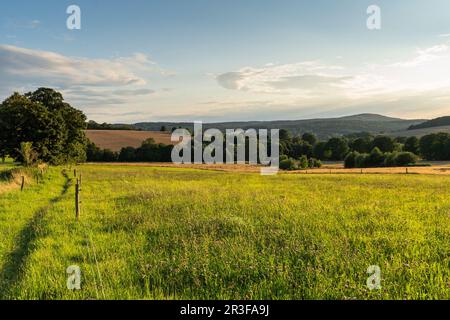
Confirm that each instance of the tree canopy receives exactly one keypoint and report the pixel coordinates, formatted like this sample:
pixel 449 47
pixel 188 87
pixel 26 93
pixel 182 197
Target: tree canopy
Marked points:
pixel 54 128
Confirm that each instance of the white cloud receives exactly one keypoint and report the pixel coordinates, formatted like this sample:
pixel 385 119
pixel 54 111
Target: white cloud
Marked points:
pixel 303 78
pixel 307 83
pixel 424 56
pixel 84 82
pixel 36 66
pixel 423 73
pixel 125 88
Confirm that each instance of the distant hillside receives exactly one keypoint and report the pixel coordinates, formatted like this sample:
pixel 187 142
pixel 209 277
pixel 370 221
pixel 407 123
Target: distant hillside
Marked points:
pixel 438 122
pixel 419 132
pixel 323 128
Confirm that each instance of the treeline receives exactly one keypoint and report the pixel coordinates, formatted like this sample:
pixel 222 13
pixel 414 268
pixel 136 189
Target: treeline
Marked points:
pixel 366 150
pixel 434 146
pixel 376 158
pixel 306 151
pixel 92 125
pixel 149 151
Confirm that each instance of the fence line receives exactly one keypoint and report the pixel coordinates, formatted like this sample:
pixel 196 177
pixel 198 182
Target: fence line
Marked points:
pixel 91 248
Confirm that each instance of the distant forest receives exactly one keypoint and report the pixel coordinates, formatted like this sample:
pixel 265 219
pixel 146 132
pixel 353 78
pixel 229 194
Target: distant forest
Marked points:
pixel 303 151
pixel 92 125
pixel 438 122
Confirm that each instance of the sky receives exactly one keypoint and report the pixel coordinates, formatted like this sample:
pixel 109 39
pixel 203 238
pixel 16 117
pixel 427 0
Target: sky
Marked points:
pixel 229 60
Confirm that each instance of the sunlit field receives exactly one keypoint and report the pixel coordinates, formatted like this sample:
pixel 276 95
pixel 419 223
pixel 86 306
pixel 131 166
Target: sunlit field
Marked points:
pixel 8 164
pixel 171 233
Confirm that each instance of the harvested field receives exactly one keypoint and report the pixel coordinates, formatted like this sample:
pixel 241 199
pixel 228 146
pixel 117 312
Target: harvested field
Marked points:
pixel 440 168
pixel 213 167
pixel 115 140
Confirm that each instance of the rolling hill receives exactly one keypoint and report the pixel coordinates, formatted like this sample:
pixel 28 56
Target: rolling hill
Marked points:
pixel 438 122
pixel 419 132
pixel 323 128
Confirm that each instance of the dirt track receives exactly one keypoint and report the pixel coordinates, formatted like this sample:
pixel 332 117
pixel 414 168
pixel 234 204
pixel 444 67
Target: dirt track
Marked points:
pixel 441 168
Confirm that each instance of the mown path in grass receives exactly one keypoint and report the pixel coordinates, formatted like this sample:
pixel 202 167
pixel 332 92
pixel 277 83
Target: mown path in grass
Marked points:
pixel 11 271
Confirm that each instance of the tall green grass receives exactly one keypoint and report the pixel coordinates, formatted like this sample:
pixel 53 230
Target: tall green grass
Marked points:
pixel 162 233
pixel 8 164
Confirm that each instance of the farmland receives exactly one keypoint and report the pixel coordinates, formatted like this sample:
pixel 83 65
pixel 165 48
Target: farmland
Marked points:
pixel 115 140
pixel 182 233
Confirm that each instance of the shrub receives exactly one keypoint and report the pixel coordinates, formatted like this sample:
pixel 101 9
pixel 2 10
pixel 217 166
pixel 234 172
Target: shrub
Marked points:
pixel 361 160
pixel 288 164
pixel 303 162
pixel 376 158
pixel 405 158
pixel 27 154
pixel 350 159
pixel 390 159
pixel 314 163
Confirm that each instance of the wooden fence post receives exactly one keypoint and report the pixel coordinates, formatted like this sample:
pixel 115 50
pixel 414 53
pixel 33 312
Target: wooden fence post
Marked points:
pixel 23 183
pixel 77 201
pixel 75 173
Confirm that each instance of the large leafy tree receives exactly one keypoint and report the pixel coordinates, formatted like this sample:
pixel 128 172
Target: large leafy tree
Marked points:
pixel 338 148
pixel 55 129
pixel 310 138
pixel 384 143
pixel 412 145
pixel 435 146
pixel 361 145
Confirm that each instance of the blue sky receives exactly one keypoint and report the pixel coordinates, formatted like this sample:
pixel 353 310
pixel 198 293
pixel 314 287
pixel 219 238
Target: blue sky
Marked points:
pixel 211 60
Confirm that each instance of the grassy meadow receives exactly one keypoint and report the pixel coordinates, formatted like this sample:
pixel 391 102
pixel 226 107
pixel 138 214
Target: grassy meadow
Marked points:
pixel 168 233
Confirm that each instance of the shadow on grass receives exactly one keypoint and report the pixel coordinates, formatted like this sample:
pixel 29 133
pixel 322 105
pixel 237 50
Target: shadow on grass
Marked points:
pixel 12 270
pixel 6 175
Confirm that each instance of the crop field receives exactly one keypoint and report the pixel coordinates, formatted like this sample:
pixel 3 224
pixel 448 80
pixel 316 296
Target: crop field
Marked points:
pixel 115 140
pixel 182 233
